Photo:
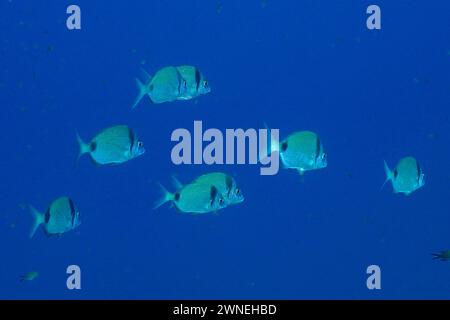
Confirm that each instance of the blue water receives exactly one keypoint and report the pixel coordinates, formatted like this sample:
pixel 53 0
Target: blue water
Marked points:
pixel 297 65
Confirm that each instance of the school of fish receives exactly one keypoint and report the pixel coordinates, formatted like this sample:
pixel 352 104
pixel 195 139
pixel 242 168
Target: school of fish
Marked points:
pixel 302 151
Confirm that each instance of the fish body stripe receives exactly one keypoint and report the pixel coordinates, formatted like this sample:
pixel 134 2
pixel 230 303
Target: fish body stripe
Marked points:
pixel 72 211
pixel 197 79
pixel 213 194
pixel 180 81
pixel 395 173
pixel 132 138
pixel 229 184
pixel 419 171
pixel 47 215
pixel 317 147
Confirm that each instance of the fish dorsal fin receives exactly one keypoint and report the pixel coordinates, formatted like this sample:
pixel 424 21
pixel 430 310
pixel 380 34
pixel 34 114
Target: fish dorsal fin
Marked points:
pixel 229 184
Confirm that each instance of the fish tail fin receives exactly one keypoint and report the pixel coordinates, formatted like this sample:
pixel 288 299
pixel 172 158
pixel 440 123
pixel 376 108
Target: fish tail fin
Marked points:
pixel 388 173
pixel 166 196
pixel 38 220
pixel 274 145
pixel 176 183
pixel 147 77
pixel 142 92
pixel 436 256
pixel 84 147
pixel 271 145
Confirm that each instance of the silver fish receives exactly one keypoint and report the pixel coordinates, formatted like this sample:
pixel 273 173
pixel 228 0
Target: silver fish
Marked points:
pixel 29 276
pixel 165 86
pixel 302 151
pixel 225 184
pixel 113 145
pixel 443 255
pixel 194 198
pixel 196 84
pixel 61 216
pixel 406 177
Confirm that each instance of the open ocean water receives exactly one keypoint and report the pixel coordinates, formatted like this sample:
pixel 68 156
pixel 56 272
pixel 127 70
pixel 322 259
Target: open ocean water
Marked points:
pixel 371 95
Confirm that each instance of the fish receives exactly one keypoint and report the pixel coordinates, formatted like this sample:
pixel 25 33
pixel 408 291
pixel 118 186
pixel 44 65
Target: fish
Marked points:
pixel 61 216
pixel 114 145
pixel 302 151
pixel 29 276
pixel 196 84
pixel 166 85
pixel 225 184
pixel 443 255
pixel 193 198
pixel 406 177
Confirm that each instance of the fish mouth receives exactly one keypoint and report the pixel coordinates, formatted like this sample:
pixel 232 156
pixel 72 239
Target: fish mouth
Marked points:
pixel 241 199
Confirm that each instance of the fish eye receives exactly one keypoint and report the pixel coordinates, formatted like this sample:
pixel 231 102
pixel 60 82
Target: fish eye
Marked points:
pixel 221 201
pixel 140 144
pixel 205 84
pixel 238 192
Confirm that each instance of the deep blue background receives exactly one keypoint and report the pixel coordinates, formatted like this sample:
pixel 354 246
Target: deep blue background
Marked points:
pixel 297 65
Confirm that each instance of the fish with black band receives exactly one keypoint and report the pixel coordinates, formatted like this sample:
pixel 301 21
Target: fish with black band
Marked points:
pixel 196 83
pixel 60 217
pixel 226 185
pixel 166 85
pixel 406 177
pixel 302 151
pixel 114 145
pixel 193 198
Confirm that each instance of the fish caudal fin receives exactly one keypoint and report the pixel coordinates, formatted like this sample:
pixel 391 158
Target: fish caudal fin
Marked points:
pixel 84 147
pixel 176 183
pixel 271 146
pixel 274 143
pixel 165 197
pixel 147 77
pixel 439 256
pixel 142 92
pixel 436 256
pixel 388 173
pixel 38 220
